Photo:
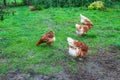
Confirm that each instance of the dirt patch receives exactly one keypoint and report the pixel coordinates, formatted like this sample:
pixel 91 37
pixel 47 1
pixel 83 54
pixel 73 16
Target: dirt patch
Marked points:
pixel 104 65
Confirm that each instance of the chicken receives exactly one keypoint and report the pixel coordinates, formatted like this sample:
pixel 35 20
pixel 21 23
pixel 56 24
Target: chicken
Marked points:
pixel 85 20
pixel 86 25
pixel 47 38
pixel 82 29
pixel 32 8
pixel 77 48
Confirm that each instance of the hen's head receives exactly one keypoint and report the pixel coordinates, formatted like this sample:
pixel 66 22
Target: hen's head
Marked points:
pixel 77 25
pixel 85 20
pixel 51 33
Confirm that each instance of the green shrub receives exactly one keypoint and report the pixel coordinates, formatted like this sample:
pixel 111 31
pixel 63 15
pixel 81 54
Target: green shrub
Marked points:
pixel 97 5
pixel 39 7
pixel 40 4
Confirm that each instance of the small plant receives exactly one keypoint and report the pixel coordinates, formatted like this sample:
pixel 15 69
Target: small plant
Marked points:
pixel 97 5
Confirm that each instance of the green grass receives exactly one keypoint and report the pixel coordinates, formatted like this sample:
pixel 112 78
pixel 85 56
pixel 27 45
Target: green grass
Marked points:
pixel 18 1
pixel 19 34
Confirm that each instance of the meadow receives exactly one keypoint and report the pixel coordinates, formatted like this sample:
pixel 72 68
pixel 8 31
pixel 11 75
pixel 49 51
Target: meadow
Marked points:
pixel 19 34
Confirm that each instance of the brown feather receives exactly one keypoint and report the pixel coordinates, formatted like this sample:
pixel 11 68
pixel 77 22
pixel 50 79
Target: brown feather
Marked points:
pixel 84 27
pixel 83 48
pixel 46 38
pixel 77 48
pixel 89 23
pixel 32 8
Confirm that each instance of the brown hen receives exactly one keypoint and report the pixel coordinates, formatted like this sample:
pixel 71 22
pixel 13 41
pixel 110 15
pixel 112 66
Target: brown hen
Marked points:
pixel 85 27
pixel 85 21
pixel 77 48
pixel 47 38
pixel 32 8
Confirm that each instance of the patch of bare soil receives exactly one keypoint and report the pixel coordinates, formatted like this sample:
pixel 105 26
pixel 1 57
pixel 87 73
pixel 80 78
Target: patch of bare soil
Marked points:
pixel 105 65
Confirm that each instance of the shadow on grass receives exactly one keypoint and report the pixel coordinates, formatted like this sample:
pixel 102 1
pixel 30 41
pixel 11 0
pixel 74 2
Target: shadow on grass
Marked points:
pixel 89 36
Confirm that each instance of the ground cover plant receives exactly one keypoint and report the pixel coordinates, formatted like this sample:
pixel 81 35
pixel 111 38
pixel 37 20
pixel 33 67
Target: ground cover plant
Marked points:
pixel 21 58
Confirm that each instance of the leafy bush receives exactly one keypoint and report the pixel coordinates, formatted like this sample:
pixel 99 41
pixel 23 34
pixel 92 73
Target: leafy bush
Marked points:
pixel 97 5
pixel 61 3
pixel 41 4
pixel 39 7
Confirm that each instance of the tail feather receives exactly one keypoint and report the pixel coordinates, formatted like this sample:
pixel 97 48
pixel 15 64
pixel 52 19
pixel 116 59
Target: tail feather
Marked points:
pixel 85 20
pixel 83 17
pixel 39 42
pixel 69 39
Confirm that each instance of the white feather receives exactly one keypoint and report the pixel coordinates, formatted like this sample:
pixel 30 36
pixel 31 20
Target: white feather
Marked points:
pixel 73 52
pixel 77 25
pixel 70 41
pixel 83 18
pixel 80 32
pixel 54 39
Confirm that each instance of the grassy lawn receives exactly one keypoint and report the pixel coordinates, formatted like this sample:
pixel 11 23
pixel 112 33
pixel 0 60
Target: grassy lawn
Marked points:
pixel 19 34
